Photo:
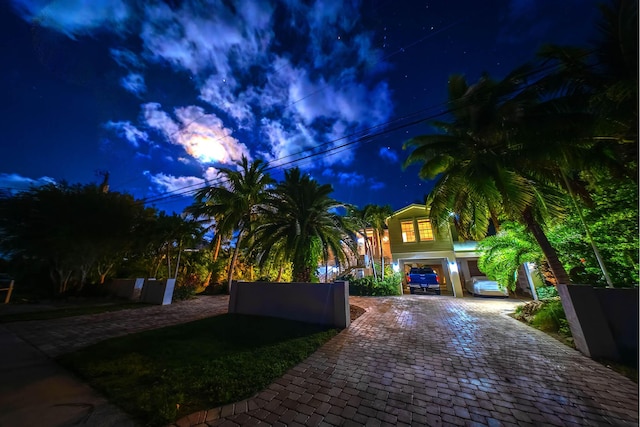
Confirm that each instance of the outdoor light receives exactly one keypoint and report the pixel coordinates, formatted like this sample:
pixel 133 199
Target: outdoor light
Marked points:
pixel 395 268
pixel 453 266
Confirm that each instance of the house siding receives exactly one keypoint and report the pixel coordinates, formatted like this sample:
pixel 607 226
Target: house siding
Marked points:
pixel 442 238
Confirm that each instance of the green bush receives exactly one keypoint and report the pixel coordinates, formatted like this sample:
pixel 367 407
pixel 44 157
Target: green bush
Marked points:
pixel 550 317
pixel 368 286
pixel 546 292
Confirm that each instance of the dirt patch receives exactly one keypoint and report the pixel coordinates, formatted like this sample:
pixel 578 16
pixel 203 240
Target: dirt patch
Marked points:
pixel 355 311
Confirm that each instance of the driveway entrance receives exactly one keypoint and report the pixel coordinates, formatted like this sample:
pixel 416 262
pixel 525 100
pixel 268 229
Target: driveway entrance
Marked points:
pixel 440 361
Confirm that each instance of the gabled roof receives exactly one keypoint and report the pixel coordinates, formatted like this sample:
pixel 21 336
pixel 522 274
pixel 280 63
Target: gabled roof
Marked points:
pixel 408 208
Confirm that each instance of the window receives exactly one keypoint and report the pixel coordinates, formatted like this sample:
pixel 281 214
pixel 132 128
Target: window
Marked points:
pixel 408 232
pixel 424 230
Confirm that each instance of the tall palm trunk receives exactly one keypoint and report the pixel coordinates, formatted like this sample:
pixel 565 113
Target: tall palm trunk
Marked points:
pixel 217 250
pixel 369 250
pixel 381 255
pixel 549 252
pixel 236 251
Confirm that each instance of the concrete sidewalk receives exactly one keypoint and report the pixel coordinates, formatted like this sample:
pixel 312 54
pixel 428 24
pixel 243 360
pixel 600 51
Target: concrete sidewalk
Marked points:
pixel 35 391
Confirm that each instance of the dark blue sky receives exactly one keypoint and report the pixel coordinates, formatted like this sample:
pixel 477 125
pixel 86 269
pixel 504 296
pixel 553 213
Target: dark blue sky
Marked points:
pixel 161 94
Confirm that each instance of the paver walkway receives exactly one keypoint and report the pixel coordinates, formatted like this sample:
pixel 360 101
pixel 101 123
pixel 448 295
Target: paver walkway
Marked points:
pixel 58 336
pixel 412 360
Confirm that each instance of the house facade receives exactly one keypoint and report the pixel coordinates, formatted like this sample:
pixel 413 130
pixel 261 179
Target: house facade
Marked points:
pixel 415 242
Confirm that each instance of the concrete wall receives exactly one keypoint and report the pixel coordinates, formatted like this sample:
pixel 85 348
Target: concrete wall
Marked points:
pixel 158 291
pixel 146 290
pixel 320 303
pixel 620 307
pixel 126 288
pixel 603 321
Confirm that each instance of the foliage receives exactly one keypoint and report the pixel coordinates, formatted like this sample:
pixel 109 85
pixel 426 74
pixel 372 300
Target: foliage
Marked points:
pixel 551 318
pixel 369 286
pixel 477 157
pixel 547 315
pixel 78 232
pixel 297 223
pixel 546 292
pixel 233 203
pixel 505 252
pixel 158 376
pixel 613 222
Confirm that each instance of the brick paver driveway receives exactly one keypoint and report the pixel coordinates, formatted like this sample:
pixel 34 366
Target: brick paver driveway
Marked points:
pixel 411 360
pixel 427 360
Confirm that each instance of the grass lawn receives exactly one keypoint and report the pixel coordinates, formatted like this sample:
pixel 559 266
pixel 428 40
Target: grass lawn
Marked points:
pixel 70 311
pixel 161 375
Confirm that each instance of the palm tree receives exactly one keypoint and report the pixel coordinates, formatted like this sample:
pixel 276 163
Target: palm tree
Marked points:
pixel 297 221
pixel 233 204
pixel 377 217
pixel 358 222
pixel 475 160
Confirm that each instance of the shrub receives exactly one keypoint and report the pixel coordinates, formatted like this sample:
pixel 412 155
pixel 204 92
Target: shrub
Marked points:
pixel 187 289
pixel 546 292
pixel 368 286
pixel 550 317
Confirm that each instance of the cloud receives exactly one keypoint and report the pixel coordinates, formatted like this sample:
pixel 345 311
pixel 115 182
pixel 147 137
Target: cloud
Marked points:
pixel 14 183
pixel 126 58
pixel 295 77
pixel 165 183
pixel 353 179
pixel 125 129
pixel 75 17
pixel 376 185
pixel 286 143
pixel 134 83
pixel 222 93
pixel 388 154
pixel 216 40
pixel 203 136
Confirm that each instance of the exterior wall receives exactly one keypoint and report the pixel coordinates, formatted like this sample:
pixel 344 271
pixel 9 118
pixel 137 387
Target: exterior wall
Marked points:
pixel 320 303
pixel 442 238
pixel 436 253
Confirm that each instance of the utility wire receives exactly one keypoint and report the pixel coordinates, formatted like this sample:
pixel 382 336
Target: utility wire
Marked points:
pixel 363 138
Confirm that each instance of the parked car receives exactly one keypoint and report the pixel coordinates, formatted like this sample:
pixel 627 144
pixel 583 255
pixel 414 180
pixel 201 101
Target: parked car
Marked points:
pixel 481 286
pixel 423 278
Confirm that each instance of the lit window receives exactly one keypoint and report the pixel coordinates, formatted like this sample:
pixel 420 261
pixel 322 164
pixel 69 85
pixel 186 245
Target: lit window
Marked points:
pixel 408 233
pixel 424 230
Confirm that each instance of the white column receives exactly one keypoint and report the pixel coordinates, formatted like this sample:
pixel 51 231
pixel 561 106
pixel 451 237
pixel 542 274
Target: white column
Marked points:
pixel 455 278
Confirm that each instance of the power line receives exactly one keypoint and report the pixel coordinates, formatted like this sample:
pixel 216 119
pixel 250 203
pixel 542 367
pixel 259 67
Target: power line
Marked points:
pixel 363 138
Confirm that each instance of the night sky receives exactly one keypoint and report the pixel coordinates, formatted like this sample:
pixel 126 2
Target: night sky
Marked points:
pixel 160 94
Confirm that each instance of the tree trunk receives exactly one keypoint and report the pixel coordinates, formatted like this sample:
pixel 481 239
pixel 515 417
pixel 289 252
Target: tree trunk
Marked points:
pixel 232 265
pixel 549 252
pixel 178 261
pixel 381 254
pixel 369 250
pixel 168 262
pixel 280 270
pixel 494 220
pixel 217 251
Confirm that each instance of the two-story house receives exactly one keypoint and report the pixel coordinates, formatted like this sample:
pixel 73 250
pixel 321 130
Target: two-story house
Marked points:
pixel 414 242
